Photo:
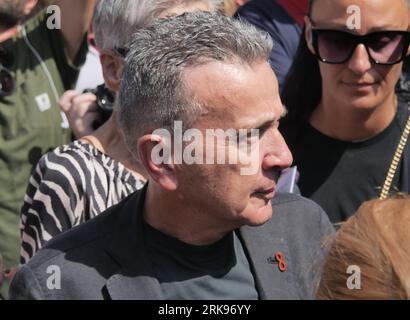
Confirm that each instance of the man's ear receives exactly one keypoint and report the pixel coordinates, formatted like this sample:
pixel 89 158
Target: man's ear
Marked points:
pixel 154 152
pixel 112 66
pixel 308 35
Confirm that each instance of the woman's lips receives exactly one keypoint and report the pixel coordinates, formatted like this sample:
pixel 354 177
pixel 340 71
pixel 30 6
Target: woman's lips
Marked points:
pixel 360 85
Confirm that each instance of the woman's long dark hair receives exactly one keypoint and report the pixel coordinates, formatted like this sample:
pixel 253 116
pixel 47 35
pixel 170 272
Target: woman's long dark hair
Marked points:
pixel 302 91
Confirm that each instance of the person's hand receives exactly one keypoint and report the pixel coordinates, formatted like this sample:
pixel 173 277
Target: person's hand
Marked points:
pixel 81 111
pixel 10 273
pixel 6 274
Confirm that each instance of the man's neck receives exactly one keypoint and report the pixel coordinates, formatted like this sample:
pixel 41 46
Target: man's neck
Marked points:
pixel 167 213
pixel 337 122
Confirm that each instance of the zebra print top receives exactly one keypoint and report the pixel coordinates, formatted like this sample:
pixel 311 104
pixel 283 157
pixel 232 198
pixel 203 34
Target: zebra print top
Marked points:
pixel 70 185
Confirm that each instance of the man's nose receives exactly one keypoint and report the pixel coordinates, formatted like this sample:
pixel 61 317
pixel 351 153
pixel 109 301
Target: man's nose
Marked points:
pixel 279 155
pixel 360 62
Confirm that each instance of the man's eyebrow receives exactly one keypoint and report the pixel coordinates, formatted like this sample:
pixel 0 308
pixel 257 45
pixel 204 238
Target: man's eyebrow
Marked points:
pixel 266 120
pixel 262 122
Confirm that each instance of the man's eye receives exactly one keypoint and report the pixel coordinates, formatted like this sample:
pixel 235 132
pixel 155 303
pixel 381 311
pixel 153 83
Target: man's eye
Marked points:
pixel 242 138
pixel 256 134
pixel 262 131
pixel 246 137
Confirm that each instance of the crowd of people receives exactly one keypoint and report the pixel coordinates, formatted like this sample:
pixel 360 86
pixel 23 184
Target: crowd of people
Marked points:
pixel 92 181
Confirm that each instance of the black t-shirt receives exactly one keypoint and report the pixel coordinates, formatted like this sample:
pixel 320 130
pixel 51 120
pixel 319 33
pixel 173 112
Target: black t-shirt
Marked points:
pixel 340 175
pixel 211 272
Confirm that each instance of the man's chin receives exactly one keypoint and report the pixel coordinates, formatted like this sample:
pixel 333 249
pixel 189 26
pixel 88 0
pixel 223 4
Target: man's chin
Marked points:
pixel 260 215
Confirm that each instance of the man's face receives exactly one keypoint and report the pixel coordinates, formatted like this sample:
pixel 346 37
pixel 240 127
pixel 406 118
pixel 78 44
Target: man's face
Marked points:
pixel 11 12
pixel 235 97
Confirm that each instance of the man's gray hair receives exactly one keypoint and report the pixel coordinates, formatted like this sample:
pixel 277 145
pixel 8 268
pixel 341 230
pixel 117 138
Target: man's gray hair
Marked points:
pixel 115 21
pixel 153 94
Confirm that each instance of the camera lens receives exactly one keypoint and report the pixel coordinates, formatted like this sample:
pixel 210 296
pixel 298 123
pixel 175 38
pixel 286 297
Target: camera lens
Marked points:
pixel 105 99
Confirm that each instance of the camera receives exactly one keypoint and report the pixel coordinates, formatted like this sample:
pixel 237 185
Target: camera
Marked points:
pixel 105 100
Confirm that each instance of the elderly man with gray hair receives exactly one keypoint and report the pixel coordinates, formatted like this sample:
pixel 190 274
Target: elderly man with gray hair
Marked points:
pixel 201 228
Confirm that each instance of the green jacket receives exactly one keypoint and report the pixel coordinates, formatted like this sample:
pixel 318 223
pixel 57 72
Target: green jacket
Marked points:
pixel 31 122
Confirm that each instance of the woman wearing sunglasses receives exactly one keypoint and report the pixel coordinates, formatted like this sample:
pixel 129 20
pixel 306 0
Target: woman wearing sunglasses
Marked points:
pixel 345 121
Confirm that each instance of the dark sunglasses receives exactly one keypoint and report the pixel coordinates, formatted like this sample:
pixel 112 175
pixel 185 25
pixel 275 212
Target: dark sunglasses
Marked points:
pixel 383 47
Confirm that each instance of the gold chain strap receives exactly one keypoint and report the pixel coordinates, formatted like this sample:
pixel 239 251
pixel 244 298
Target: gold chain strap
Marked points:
pixel 396 159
